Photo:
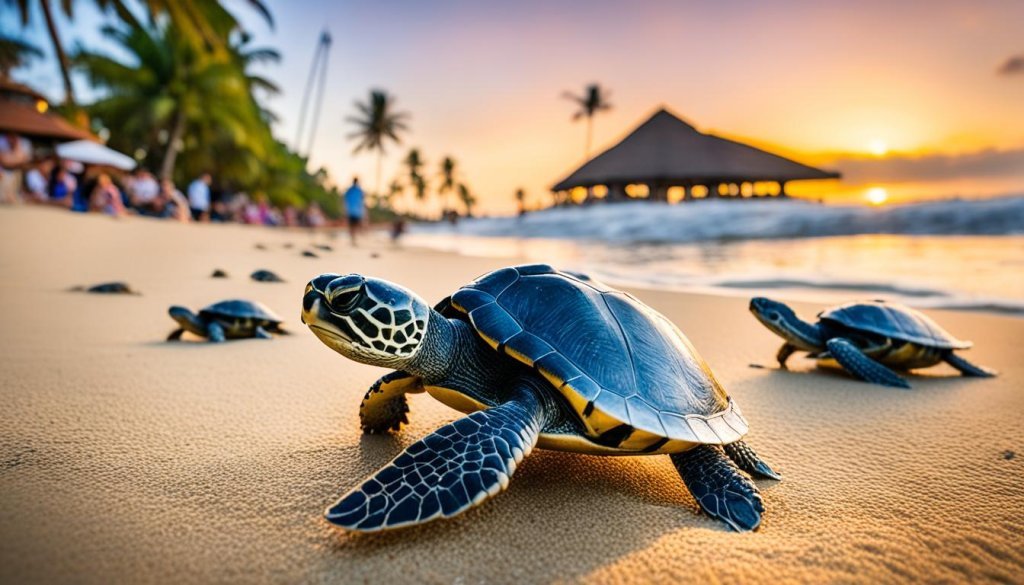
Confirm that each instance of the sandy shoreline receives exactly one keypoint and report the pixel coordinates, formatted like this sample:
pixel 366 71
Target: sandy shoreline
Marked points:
pixel 126 459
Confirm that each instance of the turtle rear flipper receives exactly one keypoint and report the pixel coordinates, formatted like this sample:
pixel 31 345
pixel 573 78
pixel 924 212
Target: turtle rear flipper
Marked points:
pixel 854 361
pixel 215 331
pixel 176 334
pixel 747 460
pixel 719 488
pixel 446 473
pixel 967 368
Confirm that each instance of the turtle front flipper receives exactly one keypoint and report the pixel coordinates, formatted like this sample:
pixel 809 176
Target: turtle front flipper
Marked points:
pixel 384 407
pixel 446 473
pixel 719 488
pixel 176 334
pixel 854 361
pixel 747 460
pixel 967 368
pixel 785 351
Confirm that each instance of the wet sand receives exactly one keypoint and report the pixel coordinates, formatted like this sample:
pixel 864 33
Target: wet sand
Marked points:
pixel 127 459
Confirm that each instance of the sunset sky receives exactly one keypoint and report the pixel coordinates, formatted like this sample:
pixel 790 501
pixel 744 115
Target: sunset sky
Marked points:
pixel 921 99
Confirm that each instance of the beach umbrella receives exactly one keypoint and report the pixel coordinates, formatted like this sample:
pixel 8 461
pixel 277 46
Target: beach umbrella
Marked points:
pixel 94 153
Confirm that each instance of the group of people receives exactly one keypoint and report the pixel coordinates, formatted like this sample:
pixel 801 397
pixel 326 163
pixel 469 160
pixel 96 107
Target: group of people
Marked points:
pixel 85 188
pixel 80 188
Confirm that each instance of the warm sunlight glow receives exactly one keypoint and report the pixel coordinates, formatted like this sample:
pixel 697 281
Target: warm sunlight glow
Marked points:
pixel 876 195
pixel 878 147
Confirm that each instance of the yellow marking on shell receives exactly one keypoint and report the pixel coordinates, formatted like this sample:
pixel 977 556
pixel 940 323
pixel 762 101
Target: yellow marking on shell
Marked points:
pixel 457 306
pixel 455 399
pixel 600 422
pixel 491 342
pixel 639 440
pixel 526 360
pixel 578 403
pixel 578 444
pixel 553 380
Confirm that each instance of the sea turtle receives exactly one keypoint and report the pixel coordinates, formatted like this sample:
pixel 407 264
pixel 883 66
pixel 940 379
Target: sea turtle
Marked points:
pixel 309 254
pixel 231 319
pixel 323 247
pixel 265 276
pixel 218 273
pixel 109 288
pixel 865 337
pixel 538 357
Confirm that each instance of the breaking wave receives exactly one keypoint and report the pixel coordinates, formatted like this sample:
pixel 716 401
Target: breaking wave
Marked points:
pixel 721 220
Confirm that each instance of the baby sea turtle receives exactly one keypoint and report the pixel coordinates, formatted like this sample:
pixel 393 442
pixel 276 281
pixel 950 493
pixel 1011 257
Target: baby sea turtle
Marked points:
pixel 538 357
pixel 108 288
pixel 218 273
pixel 323 247
pixel 309 254
pixel 231 319
pixel 865 337
pixel 265 276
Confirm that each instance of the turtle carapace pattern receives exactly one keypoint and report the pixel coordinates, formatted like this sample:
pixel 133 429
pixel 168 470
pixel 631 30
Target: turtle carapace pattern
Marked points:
pixel 108 288
pixel 535 357
pixel 230 319
pixel 265 276
pixel 871 340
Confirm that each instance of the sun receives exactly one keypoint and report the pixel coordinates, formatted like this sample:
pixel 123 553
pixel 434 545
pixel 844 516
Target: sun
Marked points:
pixel 876 195
pixel 878 147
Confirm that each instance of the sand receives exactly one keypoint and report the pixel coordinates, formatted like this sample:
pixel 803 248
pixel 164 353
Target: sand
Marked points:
pixel 127 459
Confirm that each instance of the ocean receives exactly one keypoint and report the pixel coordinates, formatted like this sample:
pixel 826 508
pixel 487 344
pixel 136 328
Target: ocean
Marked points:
pixel 954 254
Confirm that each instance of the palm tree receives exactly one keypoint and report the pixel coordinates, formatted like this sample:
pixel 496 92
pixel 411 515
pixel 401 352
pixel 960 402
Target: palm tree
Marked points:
pixel 447 180
pixel 197 20
pixel 593 100
pixel 171 86
pixel 14 53
pixel 468 199
pixel 378 123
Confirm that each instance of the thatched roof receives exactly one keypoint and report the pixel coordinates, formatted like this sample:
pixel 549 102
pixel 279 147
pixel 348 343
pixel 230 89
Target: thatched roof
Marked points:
pixel 667 150
pixel 19 114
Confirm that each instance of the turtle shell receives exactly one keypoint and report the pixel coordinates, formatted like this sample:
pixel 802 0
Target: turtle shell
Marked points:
pixel 893 320
pixel 240 309
pixel 627 371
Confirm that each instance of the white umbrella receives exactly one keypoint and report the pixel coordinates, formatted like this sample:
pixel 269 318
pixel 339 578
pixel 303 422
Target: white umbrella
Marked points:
pixel 94 153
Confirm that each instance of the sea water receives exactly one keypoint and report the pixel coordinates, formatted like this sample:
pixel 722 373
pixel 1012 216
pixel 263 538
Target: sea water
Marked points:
pixel 960 254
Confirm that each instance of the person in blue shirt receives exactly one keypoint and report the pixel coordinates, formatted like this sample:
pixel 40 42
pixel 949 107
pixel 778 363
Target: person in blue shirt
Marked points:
pixel 355 208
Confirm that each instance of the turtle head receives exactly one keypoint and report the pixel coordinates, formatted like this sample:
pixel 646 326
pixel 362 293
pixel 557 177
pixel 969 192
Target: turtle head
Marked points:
pixel 782 321
pixel 187 320
pixel 369 320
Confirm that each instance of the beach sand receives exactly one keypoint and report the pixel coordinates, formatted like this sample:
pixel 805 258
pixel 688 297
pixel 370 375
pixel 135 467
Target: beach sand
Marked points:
pixel 127 459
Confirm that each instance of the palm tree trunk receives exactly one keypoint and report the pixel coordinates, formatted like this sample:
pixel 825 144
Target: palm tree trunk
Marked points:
pixel 590 133
pixel 380 159
pixel 58 47
pixel 171 155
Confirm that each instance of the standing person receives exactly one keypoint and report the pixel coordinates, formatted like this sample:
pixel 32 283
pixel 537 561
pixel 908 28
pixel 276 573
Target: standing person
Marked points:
pixel 355 208
pixel 36 184
pixel 199 197
pixel 15 152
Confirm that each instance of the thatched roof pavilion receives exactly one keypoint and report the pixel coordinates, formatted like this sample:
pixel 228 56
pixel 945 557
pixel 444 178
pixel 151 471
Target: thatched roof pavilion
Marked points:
pixel 26 112
pixel 666 152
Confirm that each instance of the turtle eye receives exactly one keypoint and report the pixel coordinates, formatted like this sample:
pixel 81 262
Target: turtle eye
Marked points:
pixel 775 316
pixel 343 293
